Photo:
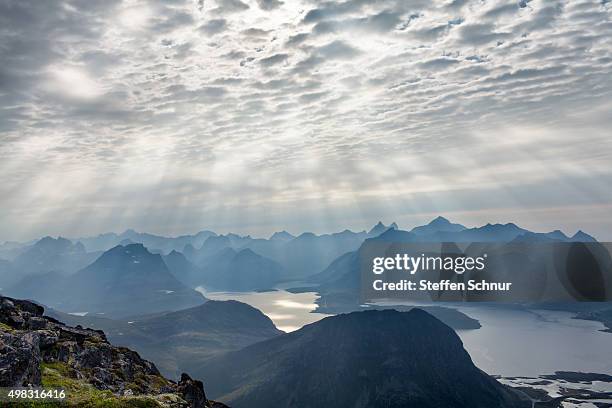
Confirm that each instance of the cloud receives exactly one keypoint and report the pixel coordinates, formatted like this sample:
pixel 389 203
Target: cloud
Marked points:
pixel 296 39
pixel 230 6
pixel 269 4
pixel 188 113
pixel 274 59
pixel 337 50
pixel 479 34
pixel 214 26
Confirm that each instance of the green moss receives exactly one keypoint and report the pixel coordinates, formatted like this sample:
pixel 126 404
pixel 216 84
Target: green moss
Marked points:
pixel 81 394
pixel 157 381
pixel 5 327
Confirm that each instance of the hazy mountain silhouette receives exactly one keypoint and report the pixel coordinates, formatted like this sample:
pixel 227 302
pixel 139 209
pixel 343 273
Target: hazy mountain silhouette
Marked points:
pixel 123 280
pixel 362 359
pixel 281 236
pixel 307 253
pixel 380 228
pixel 155 243
pixel 183 269
pixel 53 254
pixel 211 247
pixel 438 224
pixel 242 270
pixel 339 283
pixel 8 275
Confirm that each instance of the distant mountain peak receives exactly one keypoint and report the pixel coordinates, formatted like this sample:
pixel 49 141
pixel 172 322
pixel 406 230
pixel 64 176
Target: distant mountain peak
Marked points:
pixel 439 220
pixel 438 225
pixel 380 228
pixel 175 254
pixel 581 236
pixel 50 240
pixel 281 236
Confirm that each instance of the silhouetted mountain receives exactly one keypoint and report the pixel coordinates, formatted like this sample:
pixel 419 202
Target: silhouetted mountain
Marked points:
pixel 339 283
pixel 53 254
pixel 380 228
pixel 363 359
pixel 335 270
pixel 124 280
pixel 155 243
pixel 281 236
pixel 438 224
pixel 43 287
pixel 189 337
pixel 582 237
pixel 308 253
pixel 212 246
pixel 182 268
pixel 240 271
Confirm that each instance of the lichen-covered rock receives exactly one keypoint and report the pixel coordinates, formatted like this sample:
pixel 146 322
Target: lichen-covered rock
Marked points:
pixel 19 359
pixel 29 339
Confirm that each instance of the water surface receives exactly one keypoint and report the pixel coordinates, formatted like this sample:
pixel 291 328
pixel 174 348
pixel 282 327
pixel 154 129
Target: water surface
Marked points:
pixel 289 311
pixel 511 342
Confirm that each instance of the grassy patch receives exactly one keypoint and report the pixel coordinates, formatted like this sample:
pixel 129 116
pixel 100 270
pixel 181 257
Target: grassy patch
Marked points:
pixel 81 394
pixel 5 327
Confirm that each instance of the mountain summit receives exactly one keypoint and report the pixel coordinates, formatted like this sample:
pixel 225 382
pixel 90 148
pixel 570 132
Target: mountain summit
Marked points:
pixel 125 280
pixel 380 228
pixel 438 224
pixel 363 359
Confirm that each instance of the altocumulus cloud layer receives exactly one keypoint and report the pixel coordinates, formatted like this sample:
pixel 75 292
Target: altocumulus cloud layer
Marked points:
pixel 253 115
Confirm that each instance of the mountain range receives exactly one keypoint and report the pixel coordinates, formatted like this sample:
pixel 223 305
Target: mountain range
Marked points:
pixel 339 284
pixel 172 267
pixel 122 281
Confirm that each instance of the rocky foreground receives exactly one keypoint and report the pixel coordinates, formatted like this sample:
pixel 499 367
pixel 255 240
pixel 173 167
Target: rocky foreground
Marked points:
pixel 40 351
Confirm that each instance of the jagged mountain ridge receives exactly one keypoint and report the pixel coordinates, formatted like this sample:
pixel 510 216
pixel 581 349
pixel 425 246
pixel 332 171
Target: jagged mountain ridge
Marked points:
pixel 300 257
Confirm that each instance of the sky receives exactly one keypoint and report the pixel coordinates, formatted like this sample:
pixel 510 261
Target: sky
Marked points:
pixel 259 115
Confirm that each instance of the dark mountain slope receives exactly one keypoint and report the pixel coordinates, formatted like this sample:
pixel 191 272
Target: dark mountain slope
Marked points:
pixel 364 359
pixel 179 340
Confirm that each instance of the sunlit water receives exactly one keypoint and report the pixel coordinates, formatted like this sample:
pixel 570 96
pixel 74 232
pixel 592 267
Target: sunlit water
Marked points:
pixel 288 311
pixel 510 342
